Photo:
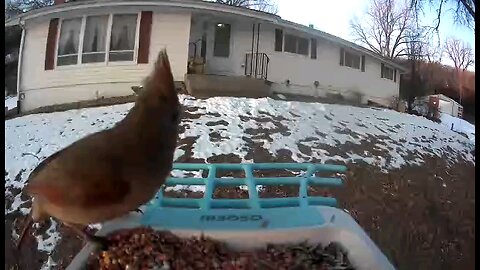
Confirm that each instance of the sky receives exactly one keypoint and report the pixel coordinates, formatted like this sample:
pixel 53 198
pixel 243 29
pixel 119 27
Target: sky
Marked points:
pixel 333 17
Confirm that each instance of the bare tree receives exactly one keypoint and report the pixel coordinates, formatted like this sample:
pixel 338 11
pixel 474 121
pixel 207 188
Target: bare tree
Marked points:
pixel 384 27
pixel 460 53
pixel 415 50
pixel 433 53
pixel 462 57
pixel 261 5
pixel 464 11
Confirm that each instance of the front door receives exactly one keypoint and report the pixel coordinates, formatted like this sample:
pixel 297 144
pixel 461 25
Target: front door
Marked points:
pixel 220 49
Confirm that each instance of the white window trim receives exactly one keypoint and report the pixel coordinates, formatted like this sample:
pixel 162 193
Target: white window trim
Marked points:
pixel 354 53
pixel 393 72
pixel 106 62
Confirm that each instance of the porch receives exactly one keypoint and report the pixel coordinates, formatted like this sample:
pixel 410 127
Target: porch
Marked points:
pixel 225 57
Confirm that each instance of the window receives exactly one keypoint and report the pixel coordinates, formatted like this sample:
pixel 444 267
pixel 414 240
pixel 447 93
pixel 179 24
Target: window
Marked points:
pixel 294 44
pixel 313 49
pixel 349 59
pixel 94 36
pixel 68 42
pixel 94 40
pixel 363 63
pixel 221 46
pixel 302 46
pixel 387 72
pixel 278 40
pixel 352 60
pixel 122 41
pixel 290 43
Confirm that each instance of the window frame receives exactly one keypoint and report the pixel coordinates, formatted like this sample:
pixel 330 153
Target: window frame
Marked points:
pixel 307 49
pixel 297 43
pixel 278 34
pixel 313 41
pixel 106 62
pixel 345 51
pixel 285 43
pixel 230 39
pixel 383 67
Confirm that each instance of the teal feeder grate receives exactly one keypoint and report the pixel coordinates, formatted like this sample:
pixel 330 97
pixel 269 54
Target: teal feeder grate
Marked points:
pixel 210 213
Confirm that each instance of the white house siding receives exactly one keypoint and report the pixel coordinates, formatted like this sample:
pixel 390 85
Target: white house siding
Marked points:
pixel 302 71
pixel 87 82
pixel 240 43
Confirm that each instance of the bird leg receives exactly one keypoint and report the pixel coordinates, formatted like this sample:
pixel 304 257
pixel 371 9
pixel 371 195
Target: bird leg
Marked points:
pixel 89 237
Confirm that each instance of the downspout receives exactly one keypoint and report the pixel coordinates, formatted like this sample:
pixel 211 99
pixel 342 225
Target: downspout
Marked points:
pixel 253 40
pixel 256 55
pixel 19 68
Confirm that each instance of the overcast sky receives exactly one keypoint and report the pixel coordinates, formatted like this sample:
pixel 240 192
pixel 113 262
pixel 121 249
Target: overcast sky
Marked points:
pixel 334 16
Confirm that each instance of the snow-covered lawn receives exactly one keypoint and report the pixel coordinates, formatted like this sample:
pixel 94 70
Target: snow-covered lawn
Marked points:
pixel 459 125
pixel 222 126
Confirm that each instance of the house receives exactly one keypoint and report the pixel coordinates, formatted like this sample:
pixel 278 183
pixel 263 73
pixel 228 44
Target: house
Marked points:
pixel 440 103
pixel 93 49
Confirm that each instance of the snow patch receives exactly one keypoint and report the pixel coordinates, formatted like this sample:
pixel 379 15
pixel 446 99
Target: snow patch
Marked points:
pixel 49 243
pixel 330 132
pixel 11 102
pixel 459 125
pixel 49 264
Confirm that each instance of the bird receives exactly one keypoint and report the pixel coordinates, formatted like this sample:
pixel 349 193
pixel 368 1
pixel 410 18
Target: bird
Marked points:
pixel 108 173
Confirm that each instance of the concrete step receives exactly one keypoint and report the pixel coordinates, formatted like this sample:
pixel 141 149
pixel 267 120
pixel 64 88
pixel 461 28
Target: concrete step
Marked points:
pixel 200 85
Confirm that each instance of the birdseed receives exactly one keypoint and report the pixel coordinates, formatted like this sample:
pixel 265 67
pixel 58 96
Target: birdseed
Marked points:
pixel 145 248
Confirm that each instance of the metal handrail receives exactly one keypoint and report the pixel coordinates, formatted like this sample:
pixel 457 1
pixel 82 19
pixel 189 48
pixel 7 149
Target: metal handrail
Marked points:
pixel 252 65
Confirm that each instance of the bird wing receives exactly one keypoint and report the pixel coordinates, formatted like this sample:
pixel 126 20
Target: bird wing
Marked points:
pixel 44 163
pixel 63 181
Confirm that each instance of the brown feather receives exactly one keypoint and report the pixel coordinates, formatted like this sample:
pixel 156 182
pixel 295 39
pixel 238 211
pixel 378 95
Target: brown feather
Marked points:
pixel 109 173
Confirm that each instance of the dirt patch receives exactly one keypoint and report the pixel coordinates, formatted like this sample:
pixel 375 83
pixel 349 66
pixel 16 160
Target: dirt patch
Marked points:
pixel 230 193
pixel 421 217
pixel 413 214
pixel 216 123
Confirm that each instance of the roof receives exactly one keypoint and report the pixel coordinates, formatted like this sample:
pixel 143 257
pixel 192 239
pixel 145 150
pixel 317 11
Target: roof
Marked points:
pixel 199 5
pixel 443 97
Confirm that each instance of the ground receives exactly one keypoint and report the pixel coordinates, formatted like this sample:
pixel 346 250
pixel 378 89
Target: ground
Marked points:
pixel 410 182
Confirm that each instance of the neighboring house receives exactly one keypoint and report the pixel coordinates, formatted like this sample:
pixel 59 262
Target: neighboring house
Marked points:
pixel 89 49
pixel 440 103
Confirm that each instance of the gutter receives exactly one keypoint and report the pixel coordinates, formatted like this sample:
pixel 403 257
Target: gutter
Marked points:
pixel 198 5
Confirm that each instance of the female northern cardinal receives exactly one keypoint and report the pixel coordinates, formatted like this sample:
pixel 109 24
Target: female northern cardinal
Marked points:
pixel 109 173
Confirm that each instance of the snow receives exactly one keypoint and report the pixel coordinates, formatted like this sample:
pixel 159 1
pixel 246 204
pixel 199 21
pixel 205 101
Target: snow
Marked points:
pixel 384 138
pixel 49 264
pixel 459 125
pixel 11 102
pixel 49 242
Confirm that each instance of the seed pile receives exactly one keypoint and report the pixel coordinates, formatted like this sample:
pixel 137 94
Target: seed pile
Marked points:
pixel 144 248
